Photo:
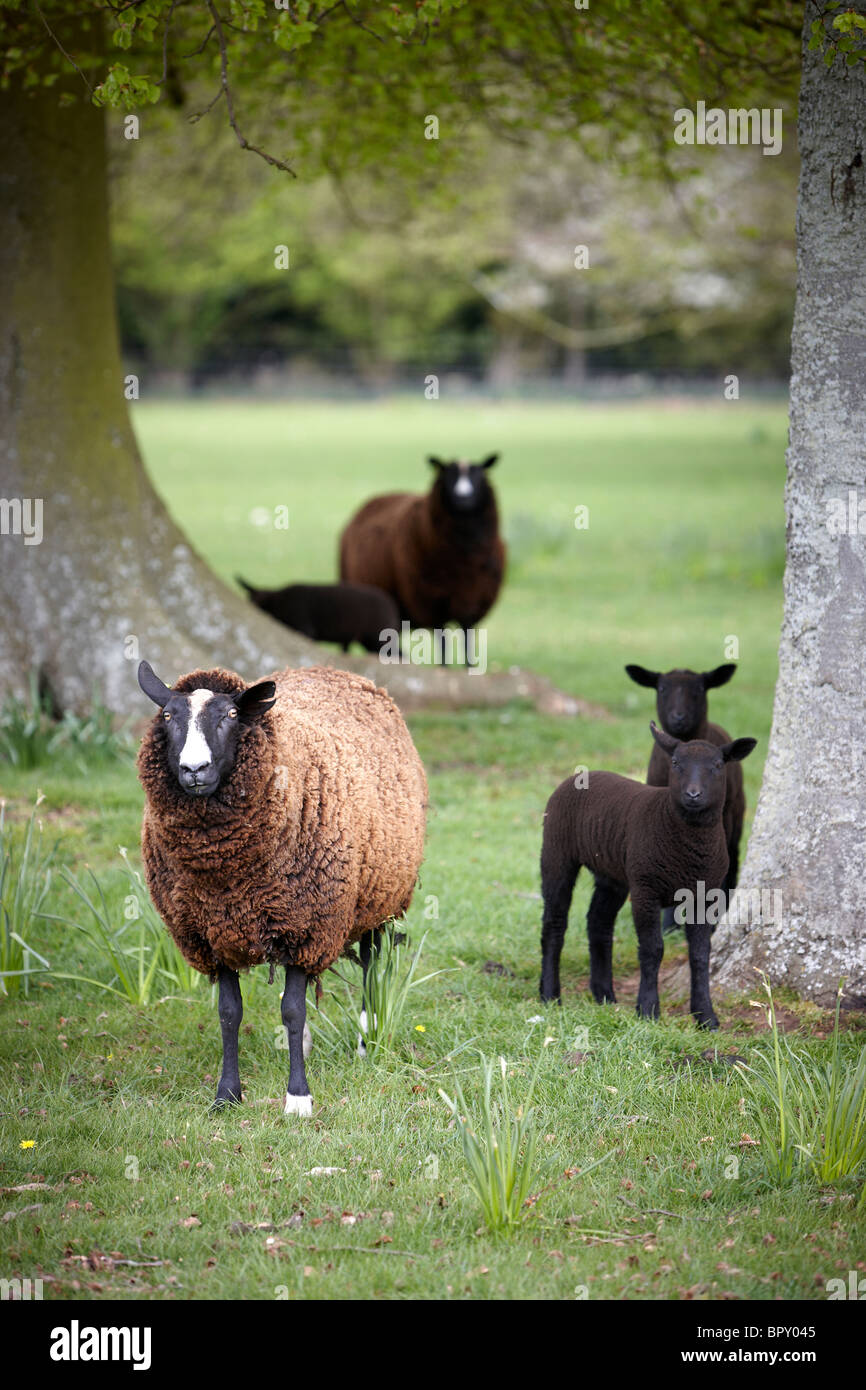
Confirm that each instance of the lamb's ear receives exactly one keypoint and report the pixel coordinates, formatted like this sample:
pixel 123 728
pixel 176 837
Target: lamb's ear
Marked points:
pixel 152 685
pixel 489 461
pixel 641 676
pixel 720 676
pixel 437 463
pixel 665 741
pixel 257 699
pixel 738 750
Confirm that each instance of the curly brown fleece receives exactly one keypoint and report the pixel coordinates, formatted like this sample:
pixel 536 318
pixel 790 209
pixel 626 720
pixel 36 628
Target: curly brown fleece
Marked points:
pixel 315 837
pixel 439 567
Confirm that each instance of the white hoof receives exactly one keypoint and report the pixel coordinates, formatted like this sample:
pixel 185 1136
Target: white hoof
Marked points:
pixel 308 1040
pixel 362 1047
pixel 298 1105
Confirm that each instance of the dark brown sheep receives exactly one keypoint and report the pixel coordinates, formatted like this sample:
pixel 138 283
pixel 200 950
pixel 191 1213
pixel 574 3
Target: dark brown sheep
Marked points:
pixel 681 703
pixel 343 613
pixel 439 554
pixel 657 843
pixel 283 821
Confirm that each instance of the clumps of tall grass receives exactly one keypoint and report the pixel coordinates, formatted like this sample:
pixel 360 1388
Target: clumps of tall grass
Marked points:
pixel 25 881
pixel 144 962
pixel 392 975
pixel 31 735
pixel 500 1146
pixel 810 1115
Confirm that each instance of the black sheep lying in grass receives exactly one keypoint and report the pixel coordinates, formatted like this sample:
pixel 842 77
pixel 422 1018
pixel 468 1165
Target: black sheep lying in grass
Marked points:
pixel 343 613
pixel 652 842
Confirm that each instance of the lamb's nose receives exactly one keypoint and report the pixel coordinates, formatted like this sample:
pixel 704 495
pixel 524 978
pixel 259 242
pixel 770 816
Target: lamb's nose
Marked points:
pixel 693 793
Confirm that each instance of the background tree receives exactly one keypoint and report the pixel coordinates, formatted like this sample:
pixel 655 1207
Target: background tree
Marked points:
pixel 692 275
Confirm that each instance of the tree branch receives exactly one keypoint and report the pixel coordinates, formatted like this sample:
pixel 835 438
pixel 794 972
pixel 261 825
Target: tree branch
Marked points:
pixel 576 339
pixel 56 41
pixel 194 52
pixel 227 92
pixel 165 42
pixel 359 23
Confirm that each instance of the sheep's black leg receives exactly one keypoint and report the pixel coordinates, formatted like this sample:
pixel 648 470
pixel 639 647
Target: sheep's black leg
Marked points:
pixel 231 1011
pixel 650 949
pixel 730 881
pixel 606 902
pixel 370 941
pixel 698 937
pixel 294 1012
pixel 557 886
pixel 669 922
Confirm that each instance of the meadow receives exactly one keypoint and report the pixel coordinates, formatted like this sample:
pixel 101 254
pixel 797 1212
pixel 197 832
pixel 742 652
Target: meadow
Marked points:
pixel 117 1182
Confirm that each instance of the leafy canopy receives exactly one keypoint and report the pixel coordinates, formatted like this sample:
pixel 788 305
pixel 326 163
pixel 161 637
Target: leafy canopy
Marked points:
pixel 350 83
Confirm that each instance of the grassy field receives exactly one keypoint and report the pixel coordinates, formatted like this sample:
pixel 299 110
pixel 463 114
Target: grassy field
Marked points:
pixel 141 1192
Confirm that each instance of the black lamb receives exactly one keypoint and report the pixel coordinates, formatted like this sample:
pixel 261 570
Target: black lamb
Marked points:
pixel 656 843
pixel 681 704
pixel 343 613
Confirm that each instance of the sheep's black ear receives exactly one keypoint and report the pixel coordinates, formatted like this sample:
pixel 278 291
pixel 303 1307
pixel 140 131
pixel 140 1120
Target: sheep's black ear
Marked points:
pixel 720 676
pixel 258 698
pixel 642 676
pixel 437 463
pixel 738 750
pixel 152 685
pixel 489 461
pixel 665 741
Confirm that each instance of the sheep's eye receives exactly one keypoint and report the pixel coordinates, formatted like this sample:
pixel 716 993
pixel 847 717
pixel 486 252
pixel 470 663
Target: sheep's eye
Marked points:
pixel 166 716
pixel 232 714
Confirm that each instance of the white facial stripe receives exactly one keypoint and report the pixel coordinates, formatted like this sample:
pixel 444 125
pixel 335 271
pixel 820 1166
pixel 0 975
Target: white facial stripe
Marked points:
pixel 463 487
pixel 195 749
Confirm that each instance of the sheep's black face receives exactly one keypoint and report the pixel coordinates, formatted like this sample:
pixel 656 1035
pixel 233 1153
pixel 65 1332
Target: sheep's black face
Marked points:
pixel 203 729
pixel 697 780
pixel 463 487
pixel 681 702
pixel 681 695
pixel 201 739
pixel 697 776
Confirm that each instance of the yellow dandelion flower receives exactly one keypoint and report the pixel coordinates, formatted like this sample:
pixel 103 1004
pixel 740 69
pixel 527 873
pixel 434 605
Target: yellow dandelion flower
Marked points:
pixel 28 1144
pixel 419 1028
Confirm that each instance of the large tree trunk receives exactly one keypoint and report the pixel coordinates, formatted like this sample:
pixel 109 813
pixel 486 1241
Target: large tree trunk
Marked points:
pixel 808 842
pixel 112 576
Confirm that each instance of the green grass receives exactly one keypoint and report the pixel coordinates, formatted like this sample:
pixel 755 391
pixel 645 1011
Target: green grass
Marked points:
pixel 808 1113
pixel 684 549
pixel 500 1148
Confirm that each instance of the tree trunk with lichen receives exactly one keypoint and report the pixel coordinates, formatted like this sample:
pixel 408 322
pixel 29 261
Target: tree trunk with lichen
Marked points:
pixel 808 841
pixel 111 577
